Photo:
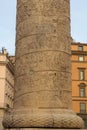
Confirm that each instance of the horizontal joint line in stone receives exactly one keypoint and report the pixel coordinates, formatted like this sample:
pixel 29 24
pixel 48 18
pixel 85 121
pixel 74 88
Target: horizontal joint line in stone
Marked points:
pixel 54 108
pixel 42 51
pixel 24 36
pixel 41 71
pixel 40 91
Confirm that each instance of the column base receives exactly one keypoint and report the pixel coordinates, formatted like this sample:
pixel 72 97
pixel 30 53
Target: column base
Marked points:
pixel 56 118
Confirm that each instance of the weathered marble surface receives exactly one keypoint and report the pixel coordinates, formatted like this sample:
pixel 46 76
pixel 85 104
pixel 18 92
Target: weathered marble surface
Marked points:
pixel 40 129
pixel 43 67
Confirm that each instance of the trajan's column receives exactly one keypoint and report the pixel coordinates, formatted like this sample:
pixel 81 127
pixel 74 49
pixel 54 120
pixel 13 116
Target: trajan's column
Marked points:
pixel 43 67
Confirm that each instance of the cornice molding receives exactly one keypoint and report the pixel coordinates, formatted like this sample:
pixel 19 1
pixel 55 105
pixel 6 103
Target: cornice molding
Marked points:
pixel 79 52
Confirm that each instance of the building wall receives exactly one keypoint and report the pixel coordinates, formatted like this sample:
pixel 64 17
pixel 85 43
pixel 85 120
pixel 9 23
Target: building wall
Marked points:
pixel 79 79
pixel 2 79
pixel 6 84
pixel 9 88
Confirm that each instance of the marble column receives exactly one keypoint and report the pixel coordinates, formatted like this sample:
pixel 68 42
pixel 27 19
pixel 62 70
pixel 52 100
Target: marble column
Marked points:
pixel 43 67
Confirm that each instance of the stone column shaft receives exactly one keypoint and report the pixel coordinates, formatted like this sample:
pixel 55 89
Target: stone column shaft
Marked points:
pixel 43 66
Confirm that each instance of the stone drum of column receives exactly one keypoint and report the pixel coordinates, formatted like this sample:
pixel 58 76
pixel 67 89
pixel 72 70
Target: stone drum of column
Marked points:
pixel 43 67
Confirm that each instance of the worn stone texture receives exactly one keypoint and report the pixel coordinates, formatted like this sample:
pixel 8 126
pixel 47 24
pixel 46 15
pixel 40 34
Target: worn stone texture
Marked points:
pixel 40 129
pixel 43 67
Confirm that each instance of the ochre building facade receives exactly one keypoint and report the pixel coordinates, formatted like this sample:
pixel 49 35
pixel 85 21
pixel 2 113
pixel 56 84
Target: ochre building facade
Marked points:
pixel 79 79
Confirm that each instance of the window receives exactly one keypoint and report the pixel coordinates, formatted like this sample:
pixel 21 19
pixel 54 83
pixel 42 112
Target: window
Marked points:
pixel 82 91
pixel 82 107
pixel 82 85
pixel 81 58
pixel 81 74
pixel 80 48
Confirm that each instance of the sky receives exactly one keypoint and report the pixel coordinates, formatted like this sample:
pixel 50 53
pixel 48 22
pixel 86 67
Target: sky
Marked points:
pixel 8 23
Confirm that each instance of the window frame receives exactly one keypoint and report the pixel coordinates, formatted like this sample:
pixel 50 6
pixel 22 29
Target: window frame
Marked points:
pixel 84 92
pixel 82 111
pixel 80 48
pixel 79 56
pixel 81 70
